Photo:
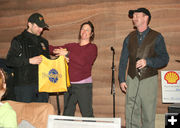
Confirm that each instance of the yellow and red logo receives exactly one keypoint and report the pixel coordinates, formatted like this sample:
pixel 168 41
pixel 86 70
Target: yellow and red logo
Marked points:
pixel 41 18
pixel 171 77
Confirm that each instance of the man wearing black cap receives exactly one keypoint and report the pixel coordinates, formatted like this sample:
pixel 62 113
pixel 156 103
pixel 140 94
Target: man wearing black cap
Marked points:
pixel 24 57
pixel 146 52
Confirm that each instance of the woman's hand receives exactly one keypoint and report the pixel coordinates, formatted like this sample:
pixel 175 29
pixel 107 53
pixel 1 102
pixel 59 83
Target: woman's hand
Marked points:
pixel 67 59
pixel 60 52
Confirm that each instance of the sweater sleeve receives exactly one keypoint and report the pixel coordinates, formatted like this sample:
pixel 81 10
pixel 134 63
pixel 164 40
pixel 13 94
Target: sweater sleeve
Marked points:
pixel 92 57
pixel 8 118
pixel 11 121
pixel 51 48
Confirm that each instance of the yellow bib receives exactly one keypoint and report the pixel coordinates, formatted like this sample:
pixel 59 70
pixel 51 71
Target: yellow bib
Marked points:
pixel 53 75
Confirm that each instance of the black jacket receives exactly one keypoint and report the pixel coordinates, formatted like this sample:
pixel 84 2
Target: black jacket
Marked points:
pixel 23 47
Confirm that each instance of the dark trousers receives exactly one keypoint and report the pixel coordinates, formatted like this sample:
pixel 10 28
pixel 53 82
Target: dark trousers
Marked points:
pixel 29 93
pixel 81 94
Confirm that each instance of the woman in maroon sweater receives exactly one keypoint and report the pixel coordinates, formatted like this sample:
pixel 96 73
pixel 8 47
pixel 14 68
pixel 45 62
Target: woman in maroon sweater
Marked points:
pixel 81 58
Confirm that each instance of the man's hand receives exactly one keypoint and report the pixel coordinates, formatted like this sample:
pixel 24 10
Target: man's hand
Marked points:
pixel 35 60
pixel 60 52
pixel 123 87
pixel 140 63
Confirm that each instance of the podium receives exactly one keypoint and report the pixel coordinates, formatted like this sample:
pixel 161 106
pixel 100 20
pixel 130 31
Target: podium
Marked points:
pixel 57 121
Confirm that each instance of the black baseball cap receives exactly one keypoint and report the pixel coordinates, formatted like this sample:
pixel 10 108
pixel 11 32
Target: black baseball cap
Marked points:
pixel 143 10
pixel 38 19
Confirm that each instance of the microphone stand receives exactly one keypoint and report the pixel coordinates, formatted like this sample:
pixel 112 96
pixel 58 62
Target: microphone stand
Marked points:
pixel 113 81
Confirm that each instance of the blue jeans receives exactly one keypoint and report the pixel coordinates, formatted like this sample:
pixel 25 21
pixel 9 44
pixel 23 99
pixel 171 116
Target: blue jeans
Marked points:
pixel 29 93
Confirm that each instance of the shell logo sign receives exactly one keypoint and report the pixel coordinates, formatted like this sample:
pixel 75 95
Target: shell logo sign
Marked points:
pixel 171 77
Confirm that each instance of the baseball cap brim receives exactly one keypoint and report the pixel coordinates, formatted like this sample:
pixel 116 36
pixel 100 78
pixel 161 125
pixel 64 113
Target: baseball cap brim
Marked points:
pixel 42 24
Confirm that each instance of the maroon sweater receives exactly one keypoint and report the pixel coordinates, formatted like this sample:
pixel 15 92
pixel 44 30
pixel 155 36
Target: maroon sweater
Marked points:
pixel 81 59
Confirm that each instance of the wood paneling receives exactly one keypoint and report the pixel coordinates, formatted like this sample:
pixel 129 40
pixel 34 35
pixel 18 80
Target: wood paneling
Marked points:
pixel 111 27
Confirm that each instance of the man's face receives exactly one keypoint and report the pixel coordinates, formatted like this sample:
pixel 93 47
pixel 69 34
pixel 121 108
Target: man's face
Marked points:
pixel 34 29
pixel 139 19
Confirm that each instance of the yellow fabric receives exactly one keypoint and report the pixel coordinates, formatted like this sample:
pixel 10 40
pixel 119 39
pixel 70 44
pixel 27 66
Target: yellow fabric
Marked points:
pixel 53 75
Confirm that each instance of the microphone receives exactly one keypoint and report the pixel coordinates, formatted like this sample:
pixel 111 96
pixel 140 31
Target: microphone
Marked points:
pixel 139 70
pixel 112 49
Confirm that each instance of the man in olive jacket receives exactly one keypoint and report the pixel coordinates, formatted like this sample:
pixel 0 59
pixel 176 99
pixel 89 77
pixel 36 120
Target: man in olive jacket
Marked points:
pixel 24 57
